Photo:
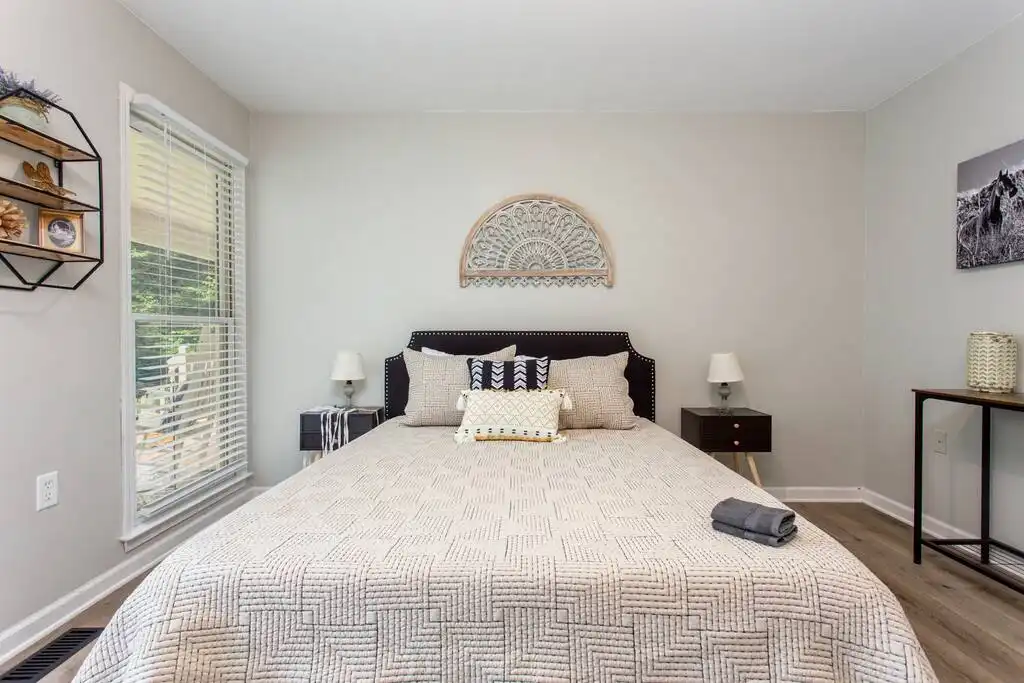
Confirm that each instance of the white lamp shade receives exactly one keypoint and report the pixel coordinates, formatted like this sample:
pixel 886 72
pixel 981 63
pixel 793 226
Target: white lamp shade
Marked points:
pixel 725 367
pixel 348 365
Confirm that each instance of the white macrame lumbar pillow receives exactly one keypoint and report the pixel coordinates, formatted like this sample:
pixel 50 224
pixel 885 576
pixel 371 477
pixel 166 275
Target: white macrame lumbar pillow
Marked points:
pixel 493 415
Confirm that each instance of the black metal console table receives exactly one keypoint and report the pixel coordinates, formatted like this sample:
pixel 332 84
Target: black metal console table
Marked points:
pixel 985 554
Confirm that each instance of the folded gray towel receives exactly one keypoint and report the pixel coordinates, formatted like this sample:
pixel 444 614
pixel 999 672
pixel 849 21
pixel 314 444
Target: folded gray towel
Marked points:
pixel 763 539
pixel 753 517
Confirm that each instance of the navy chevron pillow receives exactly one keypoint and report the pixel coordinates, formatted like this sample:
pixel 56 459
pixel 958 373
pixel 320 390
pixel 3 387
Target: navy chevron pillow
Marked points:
pixel 510 375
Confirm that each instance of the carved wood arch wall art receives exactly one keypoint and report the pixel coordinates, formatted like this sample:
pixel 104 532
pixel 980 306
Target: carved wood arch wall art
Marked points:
pixel 536 239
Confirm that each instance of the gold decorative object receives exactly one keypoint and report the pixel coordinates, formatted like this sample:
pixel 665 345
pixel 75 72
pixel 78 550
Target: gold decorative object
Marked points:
pixel 41 178
pixel 12 220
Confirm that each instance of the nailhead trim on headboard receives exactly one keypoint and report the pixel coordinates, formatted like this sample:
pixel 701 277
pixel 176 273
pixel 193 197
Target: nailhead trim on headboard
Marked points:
pixel 416 338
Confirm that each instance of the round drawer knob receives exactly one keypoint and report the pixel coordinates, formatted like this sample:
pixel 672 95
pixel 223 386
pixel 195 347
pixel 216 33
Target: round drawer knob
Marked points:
pixel 736 426
pixel 735 443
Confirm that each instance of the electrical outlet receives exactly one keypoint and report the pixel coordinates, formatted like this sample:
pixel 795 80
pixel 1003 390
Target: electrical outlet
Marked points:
pixel 939 441
pixel 47 493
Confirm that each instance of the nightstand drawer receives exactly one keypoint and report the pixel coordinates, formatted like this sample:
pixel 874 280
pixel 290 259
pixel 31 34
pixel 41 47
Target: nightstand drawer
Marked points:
pixel 361 423
pixel 310 425
pixel 744 431
pixel 359 420
pixel 310 441
pixel 728 433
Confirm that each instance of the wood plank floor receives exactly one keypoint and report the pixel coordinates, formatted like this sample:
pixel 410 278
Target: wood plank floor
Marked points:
pixel 971 627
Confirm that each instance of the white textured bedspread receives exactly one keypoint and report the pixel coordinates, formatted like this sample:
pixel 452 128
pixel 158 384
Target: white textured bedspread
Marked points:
pixel 408 557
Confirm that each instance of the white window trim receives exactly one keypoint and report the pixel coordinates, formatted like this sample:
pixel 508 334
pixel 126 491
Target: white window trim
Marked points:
pixel 135 534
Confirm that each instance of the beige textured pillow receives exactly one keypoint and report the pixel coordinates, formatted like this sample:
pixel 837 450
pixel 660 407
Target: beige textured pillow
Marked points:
pixel 599 391
pixel 435 383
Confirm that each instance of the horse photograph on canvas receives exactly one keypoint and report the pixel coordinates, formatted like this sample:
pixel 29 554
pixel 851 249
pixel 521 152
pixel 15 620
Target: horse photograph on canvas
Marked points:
pixel 990 208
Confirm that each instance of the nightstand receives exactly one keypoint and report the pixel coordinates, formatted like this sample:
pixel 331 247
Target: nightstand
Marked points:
pixel 322 430
pixel 741 432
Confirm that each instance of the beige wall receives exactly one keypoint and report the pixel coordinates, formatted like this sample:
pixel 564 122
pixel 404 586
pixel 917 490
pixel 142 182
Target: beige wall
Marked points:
pixel 740 233
pixel 919 308
pixel 60 383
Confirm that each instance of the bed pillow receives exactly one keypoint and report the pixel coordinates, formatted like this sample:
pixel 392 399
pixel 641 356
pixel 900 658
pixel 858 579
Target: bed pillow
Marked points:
pixel 434 386
pixel 493 415
pixel 434 352
pixel 599 391
pixel 514 375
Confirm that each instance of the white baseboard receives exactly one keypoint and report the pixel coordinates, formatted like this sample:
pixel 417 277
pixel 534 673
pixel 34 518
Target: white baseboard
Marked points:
pixel 817 494
pixel 905 513
pixel 52 618
pixel 853 494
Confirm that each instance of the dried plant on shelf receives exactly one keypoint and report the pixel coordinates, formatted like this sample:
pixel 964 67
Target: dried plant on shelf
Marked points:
pixel 42 178
pixel 12 220
pixel 10 83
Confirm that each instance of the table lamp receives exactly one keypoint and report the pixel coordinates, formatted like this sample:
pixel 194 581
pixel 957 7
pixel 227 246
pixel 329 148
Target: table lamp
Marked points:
pixel 724 368
pixel 348 367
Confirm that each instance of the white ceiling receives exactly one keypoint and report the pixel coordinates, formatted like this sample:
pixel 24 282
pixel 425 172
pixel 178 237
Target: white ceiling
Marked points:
pixel 579 55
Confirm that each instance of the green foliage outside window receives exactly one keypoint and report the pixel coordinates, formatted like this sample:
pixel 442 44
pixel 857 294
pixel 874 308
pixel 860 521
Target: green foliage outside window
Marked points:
pixel 168 283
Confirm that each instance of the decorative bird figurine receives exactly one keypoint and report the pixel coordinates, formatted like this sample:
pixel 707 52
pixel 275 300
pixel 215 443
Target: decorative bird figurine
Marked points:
pixel 12 220
pixel 41 178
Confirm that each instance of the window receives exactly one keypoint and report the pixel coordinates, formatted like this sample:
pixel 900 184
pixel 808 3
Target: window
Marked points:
pixel 186 408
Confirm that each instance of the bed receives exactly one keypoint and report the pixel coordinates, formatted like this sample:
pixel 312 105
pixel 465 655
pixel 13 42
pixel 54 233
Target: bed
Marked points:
pixel 408 557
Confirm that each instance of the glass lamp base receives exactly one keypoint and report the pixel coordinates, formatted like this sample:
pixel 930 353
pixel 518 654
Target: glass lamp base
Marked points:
pixel 724 391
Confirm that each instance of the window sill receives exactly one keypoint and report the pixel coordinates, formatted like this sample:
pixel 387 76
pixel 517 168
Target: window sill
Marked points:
pixel 224 498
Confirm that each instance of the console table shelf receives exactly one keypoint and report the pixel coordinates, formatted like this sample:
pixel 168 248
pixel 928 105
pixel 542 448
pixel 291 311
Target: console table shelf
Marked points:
pixel 995 559
pixel 59 152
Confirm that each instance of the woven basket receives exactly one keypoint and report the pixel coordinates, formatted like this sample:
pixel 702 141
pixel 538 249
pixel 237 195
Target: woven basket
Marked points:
pixel 991 362
pixel 26 111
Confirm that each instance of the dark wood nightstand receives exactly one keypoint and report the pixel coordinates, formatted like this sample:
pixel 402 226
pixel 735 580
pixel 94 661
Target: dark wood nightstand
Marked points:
pixel 741 432
pixel 341 426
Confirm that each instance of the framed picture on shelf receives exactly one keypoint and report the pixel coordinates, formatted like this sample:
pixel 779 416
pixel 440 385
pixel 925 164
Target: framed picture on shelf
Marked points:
pixel 61 230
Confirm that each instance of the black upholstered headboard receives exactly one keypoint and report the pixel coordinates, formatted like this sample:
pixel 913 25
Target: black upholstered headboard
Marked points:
pixel 557 345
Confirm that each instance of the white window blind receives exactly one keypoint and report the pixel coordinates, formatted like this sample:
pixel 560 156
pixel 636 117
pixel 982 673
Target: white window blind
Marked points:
pixel 187 280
